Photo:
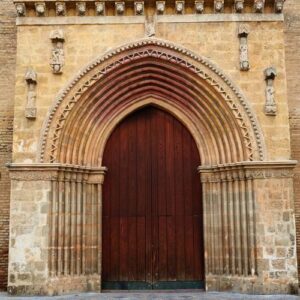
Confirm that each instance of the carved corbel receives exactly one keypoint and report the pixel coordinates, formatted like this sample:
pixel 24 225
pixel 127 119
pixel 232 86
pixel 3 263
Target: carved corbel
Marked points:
pixel 20 9
pixel 100 8
pixel 40 9
pixel 179 7
pixel 31 80
pixel 270 105
pixel 160 7
pixel 279 6
pixel 243 36
pixel 239 6
pixel 57 58
pixel 120 8
pixel 80 8
pixel 199 6
pixel 139 8
pixel 219 6
pixel 259 6
pixel 60 8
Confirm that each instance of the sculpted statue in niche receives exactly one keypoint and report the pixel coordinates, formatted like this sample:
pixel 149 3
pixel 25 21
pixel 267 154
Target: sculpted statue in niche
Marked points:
pixel 259 6
pixel 150 26
pixel 21 9
pixel 279 6
pixel 60 8
pixel 120 8
pixel 100 8
pixel 270 105
pixel 199 6
pixel 160 7
pixel 219 6
pixel 243 34
pixel 57 57
pixel 81 8
pixel 139 8
pixel 40 9
pixel 239 6
pixel 179 6
pixel 31 80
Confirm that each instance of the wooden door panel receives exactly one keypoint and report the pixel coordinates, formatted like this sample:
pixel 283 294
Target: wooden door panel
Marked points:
pixel 152 222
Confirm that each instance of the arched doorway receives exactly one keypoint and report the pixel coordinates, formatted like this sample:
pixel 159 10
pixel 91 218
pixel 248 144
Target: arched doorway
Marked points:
pixel 152 208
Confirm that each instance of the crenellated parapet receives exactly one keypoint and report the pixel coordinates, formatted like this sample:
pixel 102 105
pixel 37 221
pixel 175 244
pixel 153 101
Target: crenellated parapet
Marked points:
pixel 50 8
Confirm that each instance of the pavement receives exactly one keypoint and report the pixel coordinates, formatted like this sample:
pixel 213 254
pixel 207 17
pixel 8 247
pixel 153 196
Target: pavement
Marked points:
pixel 166 295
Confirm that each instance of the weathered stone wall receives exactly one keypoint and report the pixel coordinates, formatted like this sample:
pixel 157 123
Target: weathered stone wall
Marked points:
pixel 7 78
pixel 292 48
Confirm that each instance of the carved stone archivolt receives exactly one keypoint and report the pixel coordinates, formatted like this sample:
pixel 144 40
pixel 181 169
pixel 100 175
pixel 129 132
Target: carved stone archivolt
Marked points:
pixel 231 103
pixel 31 80
pixel 270 105
pixel 243 33
pixel 57 56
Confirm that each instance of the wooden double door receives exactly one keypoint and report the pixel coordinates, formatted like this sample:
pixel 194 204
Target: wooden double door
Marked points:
pixel 152 208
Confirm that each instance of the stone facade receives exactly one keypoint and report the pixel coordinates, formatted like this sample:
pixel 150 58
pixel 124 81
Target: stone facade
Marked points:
pixel 76 50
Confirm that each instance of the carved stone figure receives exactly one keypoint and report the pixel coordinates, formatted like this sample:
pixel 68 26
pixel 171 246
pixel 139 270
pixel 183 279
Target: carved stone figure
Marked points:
pixel 139 8
pixel 31 80
pixel 160 7
pixel 57 57
pixel 21 9
pixel 259 6
pixel 279 6
pixel 199 6
pixel 100 8
pixel 81 8
pixel 150 27
pixel 270 105
pixel 219 6
pixel 40 9
pixel 179 6
pixel 120 8
pixel 243 34
pixel 60 8
pixel 239 6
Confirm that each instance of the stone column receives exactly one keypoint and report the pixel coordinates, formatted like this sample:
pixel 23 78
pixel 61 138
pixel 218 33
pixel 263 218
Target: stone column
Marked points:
pixel 249 228
pixel 56 217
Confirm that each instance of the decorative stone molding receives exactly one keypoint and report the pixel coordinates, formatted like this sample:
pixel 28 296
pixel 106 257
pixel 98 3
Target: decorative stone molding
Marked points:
pixel 179 7
pixel 259 6
pixel 270 105
pixel 57 58
pixel 199 6
pixel 81 8
pixel 160 7
pixel 40 9
pixel 100 8
pixel 219 6
pixel 119 8
pixel 31 80
pixel 20 9
pixel 279 6
pixel 50 134
pixel 239 6
pixel 243 34
pixel 139 8
pixel 60 8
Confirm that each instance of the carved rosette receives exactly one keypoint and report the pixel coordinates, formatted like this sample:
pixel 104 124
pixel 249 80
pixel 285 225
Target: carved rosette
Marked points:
pixel 57 56
pixel 243 34
pixel 20 9
pixel 270 105
pixel 31 80
pixel 199 6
